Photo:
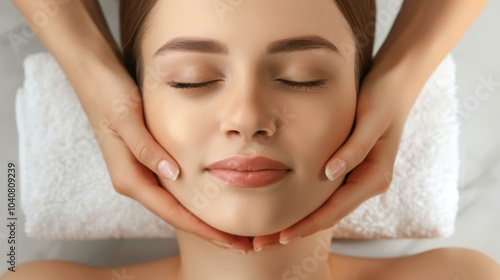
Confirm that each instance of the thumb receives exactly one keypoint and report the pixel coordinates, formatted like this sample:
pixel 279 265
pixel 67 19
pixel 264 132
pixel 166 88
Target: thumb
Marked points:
pixel 149 152
pixel 357 147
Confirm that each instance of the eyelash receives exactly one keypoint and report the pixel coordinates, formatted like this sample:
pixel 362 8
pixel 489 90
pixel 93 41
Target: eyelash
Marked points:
pixel 318 84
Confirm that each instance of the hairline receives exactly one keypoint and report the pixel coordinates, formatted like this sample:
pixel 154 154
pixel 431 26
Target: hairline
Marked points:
pixel 145 29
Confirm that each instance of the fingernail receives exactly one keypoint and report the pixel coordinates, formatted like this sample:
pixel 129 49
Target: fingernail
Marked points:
pixel 222 244
pixel 265 247
pixel 336 169
pixel 229 247
pixel 286 241
pixel 238 251
pixel 168 170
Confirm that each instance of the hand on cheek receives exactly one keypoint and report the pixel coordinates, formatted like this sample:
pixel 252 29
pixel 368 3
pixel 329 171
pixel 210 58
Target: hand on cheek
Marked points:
pixel 368 155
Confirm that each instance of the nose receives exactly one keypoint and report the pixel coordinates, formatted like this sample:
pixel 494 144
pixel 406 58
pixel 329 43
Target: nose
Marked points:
pixel 248 117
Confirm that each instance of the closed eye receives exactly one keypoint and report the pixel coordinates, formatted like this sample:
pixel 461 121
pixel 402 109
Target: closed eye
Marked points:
pixel 318 84
pixel 192 85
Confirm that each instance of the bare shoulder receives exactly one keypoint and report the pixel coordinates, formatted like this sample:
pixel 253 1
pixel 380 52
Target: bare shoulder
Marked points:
pixel 452 264
pixel 442 264
pixel 166 268
pixel 52 269
pixel 63 270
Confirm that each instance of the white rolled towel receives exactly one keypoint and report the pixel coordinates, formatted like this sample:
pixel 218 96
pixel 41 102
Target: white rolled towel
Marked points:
pixel 66 191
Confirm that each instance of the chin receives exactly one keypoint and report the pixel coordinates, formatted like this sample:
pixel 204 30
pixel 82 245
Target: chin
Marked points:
pixel 251 224
pixel 250 212
pixel 253 216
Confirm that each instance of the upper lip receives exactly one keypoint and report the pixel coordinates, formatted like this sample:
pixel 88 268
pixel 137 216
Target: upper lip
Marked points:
pixel 248 164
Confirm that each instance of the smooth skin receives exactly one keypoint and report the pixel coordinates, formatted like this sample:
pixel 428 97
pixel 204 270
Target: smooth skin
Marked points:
pixel 78 37
pixel 412 51
pixel 454 264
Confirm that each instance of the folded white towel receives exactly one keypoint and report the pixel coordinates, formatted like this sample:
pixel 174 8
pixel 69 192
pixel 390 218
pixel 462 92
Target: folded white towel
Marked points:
pixel 66 192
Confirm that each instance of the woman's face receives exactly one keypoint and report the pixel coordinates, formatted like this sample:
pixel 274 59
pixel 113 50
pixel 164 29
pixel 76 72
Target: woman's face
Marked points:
pixel 248 104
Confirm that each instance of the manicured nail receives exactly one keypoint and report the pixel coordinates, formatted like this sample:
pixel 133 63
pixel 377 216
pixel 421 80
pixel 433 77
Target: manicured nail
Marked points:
pixel 286 241
pixel 238 251
pixel 229 247
pixel 168 170
pixel 336 169
pixel 264 247
pixel 222 244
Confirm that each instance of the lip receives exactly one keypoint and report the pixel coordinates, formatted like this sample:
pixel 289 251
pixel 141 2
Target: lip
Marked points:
pixel 248 172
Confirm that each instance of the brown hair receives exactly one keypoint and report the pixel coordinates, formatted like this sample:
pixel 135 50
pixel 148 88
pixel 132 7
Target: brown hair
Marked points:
pixel 360 14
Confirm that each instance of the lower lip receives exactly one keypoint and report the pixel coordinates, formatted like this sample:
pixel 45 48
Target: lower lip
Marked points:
pixel 248 179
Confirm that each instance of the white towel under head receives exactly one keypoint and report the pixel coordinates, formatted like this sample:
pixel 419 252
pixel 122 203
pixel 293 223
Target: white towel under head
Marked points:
pixel 66 191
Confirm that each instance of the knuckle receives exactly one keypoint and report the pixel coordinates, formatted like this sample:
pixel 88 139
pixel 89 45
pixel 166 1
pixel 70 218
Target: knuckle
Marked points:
pixel 382 188
pixel 121 119
pixel 388 177
pixel 316 224
pixel 119 184
pixel 116 121
pixel 120 188
pixel 360 150
pixel 383 185
pixel 143 151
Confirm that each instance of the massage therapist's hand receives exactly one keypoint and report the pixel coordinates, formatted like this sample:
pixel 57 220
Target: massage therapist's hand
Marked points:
pixel 131 153
pixel 78 36
pixel 369 152
pixel 423 33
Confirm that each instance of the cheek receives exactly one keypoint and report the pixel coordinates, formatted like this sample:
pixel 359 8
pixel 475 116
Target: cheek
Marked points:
pixel 177 128
pixel 324 128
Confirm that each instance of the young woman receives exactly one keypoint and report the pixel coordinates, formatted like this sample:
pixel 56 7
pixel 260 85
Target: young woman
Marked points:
pixel 251 100
pixel 78 36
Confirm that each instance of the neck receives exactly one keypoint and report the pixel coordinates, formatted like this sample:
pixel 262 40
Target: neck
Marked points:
pixel 306 258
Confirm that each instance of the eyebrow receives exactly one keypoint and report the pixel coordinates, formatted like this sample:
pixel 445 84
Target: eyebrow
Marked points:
pixel 211 46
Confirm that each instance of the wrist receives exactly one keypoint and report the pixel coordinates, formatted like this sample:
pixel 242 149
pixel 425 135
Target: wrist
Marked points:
pixel 92 64
pixel 104 90
pixel 408 70
pixel 395 79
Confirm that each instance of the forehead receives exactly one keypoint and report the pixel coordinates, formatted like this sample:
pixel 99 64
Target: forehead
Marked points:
pixel 245 22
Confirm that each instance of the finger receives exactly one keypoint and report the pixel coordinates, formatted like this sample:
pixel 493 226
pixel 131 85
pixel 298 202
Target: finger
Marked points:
pixel 164 205
pixel 340 204
pixel 139 183
pixel 373 176
pixel 266 241
pixel 147 151
pixel 366 133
